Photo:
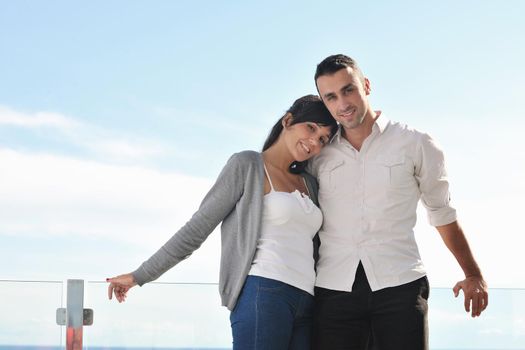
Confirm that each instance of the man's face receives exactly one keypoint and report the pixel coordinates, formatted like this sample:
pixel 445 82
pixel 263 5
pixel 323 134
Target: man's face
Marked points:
pixel 344 94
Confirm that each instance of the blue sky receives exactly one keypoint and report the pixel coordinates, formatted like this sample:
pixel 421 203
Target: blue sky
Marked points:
pixel 115 117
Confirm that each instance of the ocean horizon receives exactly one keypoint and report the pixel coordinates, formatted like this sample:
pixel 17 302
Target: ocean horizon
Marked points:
pixel 47 347
pixel 51 347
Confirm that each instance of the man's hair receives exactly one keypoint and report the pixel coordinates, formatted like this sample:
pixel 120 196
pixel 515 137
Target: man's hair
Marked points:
pixel 334 63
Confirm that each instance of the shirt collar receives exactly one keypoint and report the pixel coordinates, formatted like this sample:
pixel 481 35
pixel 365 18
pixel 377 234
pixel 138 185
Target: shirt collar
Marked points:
pixel 381 122
pixel 337 135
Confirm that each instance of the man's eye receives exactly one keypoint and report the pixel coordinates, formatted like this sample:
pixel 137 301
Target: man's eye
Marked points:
pixel 310 126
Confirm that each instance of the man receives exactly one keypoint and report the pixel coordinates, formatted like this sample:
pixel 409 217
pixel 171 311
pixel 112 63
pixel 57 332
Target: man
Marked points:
pixel 371 284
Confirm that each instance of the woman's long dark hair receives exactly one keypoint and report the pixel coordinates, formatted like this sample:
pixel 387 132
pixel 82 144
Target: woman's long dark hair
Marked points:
pixel 308 108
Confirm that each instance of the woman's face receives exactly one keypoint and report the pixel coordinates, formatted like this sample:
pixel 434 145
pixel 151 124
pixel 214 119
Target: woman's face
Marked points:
pixel 305 140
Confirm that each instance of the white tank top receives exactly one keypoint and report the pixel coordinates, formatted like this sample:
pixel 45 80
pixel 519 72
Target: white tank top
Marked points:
pixel 285 249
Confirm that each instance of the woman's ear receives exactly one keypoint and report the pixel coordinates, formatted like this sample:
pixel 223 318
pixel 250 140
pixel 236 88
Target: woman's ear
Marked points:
pixel 287 120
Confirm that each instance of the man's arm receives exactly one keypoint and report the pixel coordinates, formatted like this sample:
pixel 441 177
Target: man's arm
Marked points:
pixel 473 286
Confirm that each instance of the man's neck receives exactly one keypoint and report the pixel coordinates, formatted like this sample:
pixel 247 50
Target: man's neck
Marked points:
pixel 357 136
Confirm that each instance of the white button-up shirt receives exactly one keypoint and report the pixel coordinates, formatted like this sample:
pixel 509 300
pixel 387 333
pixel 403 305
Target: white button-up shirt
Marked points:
pixel 369 199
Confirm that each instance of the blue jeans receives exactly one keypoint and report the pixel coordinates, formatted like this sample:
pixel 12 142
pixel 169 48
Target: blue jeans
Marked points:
pixel 271 315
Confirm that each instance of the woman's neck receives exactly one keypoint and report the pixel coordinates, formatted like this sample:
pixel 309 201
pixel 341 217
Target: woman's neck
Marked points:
pixel 278 156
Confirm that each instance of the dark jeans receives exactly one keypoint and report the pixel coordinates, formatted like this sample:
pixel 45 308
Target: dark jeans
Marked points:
pixel 272 315
pixel 388 319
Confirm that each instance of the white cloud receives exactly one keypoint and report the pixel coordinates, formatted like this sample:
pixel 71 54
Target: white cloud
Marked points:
pixel 53 195
pixel 101 143
pixel 101 197
pixel 50 199
pixel 11 117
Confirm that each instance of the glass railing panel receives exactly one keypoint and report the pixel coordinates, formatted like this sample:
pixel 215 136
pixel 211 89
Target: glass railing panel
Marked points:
pixel 501 326
pixel 158 315
pixel 28 314
pixel 189 316
pixel 174 315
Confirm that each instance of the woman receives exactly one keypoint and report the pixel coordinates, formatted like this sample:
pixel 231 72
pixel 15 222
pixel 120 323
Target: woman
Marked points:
pixel 266 204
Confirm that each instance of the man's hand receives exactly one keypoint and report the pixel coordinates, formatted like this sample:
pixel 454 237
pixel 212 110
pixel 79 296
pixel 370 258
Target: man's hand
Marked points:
pixel 476 294
pixel 474 287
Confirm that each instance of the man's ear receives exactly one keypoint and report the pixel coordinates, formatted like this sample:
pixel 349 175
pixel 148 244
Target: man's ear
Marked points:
pixel 367 86
pixel 287 120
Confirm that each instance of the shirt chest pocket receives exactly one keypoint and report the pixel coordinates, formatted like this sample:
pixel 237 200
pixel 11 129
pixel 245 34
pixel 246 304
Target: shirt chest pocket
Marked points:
pixel 331 176
pixel 396 170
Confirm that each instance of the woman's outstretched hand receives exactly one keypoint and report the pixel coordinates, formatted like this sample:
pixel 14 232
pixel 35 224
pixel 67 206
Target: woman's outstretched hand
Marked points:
pixel 120 285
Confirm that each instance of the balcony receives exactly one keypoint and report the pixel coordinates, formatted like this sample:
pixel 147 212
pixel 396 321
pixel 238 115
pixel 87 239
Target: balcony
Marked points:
pixel 189 316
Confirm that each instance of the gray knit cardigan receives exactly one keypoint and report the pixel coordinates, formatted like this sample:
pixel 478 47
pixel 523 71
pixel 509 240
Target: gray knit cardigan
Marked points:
pixel 236 199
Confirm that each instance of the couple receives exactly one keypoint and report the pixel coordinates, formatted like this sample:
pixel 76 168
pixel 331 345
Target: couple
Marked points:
pixel 357 255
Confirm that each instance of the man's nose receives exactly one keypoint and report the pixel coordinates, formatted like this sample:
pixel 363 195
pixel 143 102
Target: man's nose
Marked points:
pixel 342 105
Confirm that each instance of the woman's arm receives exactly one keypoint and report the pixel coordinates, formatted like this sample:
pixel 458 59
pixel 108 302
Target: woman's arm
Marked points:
pixel 216 205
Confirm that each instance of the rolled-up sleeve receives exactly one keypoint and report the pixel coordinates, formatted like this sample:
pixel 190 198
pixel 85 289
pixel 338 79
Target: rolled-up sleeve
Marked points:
pixel 432 177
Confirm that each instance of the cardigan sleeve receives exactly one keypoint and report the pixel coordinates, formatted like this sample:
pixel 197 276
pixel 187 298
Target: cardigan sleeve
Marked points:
pixel 216 205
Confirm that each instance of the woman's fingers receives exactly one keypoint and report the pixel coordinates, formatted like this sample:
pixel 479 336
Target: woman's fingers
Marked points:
pixel 119 286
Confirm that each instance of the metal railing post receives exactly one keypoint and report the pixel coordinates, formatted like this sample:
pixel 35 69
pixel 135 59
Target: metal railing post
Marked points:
pixel 74 316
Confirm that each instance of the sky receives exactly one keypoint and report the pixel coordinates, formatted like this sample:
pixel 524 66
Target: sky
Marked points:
pixel 116 117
